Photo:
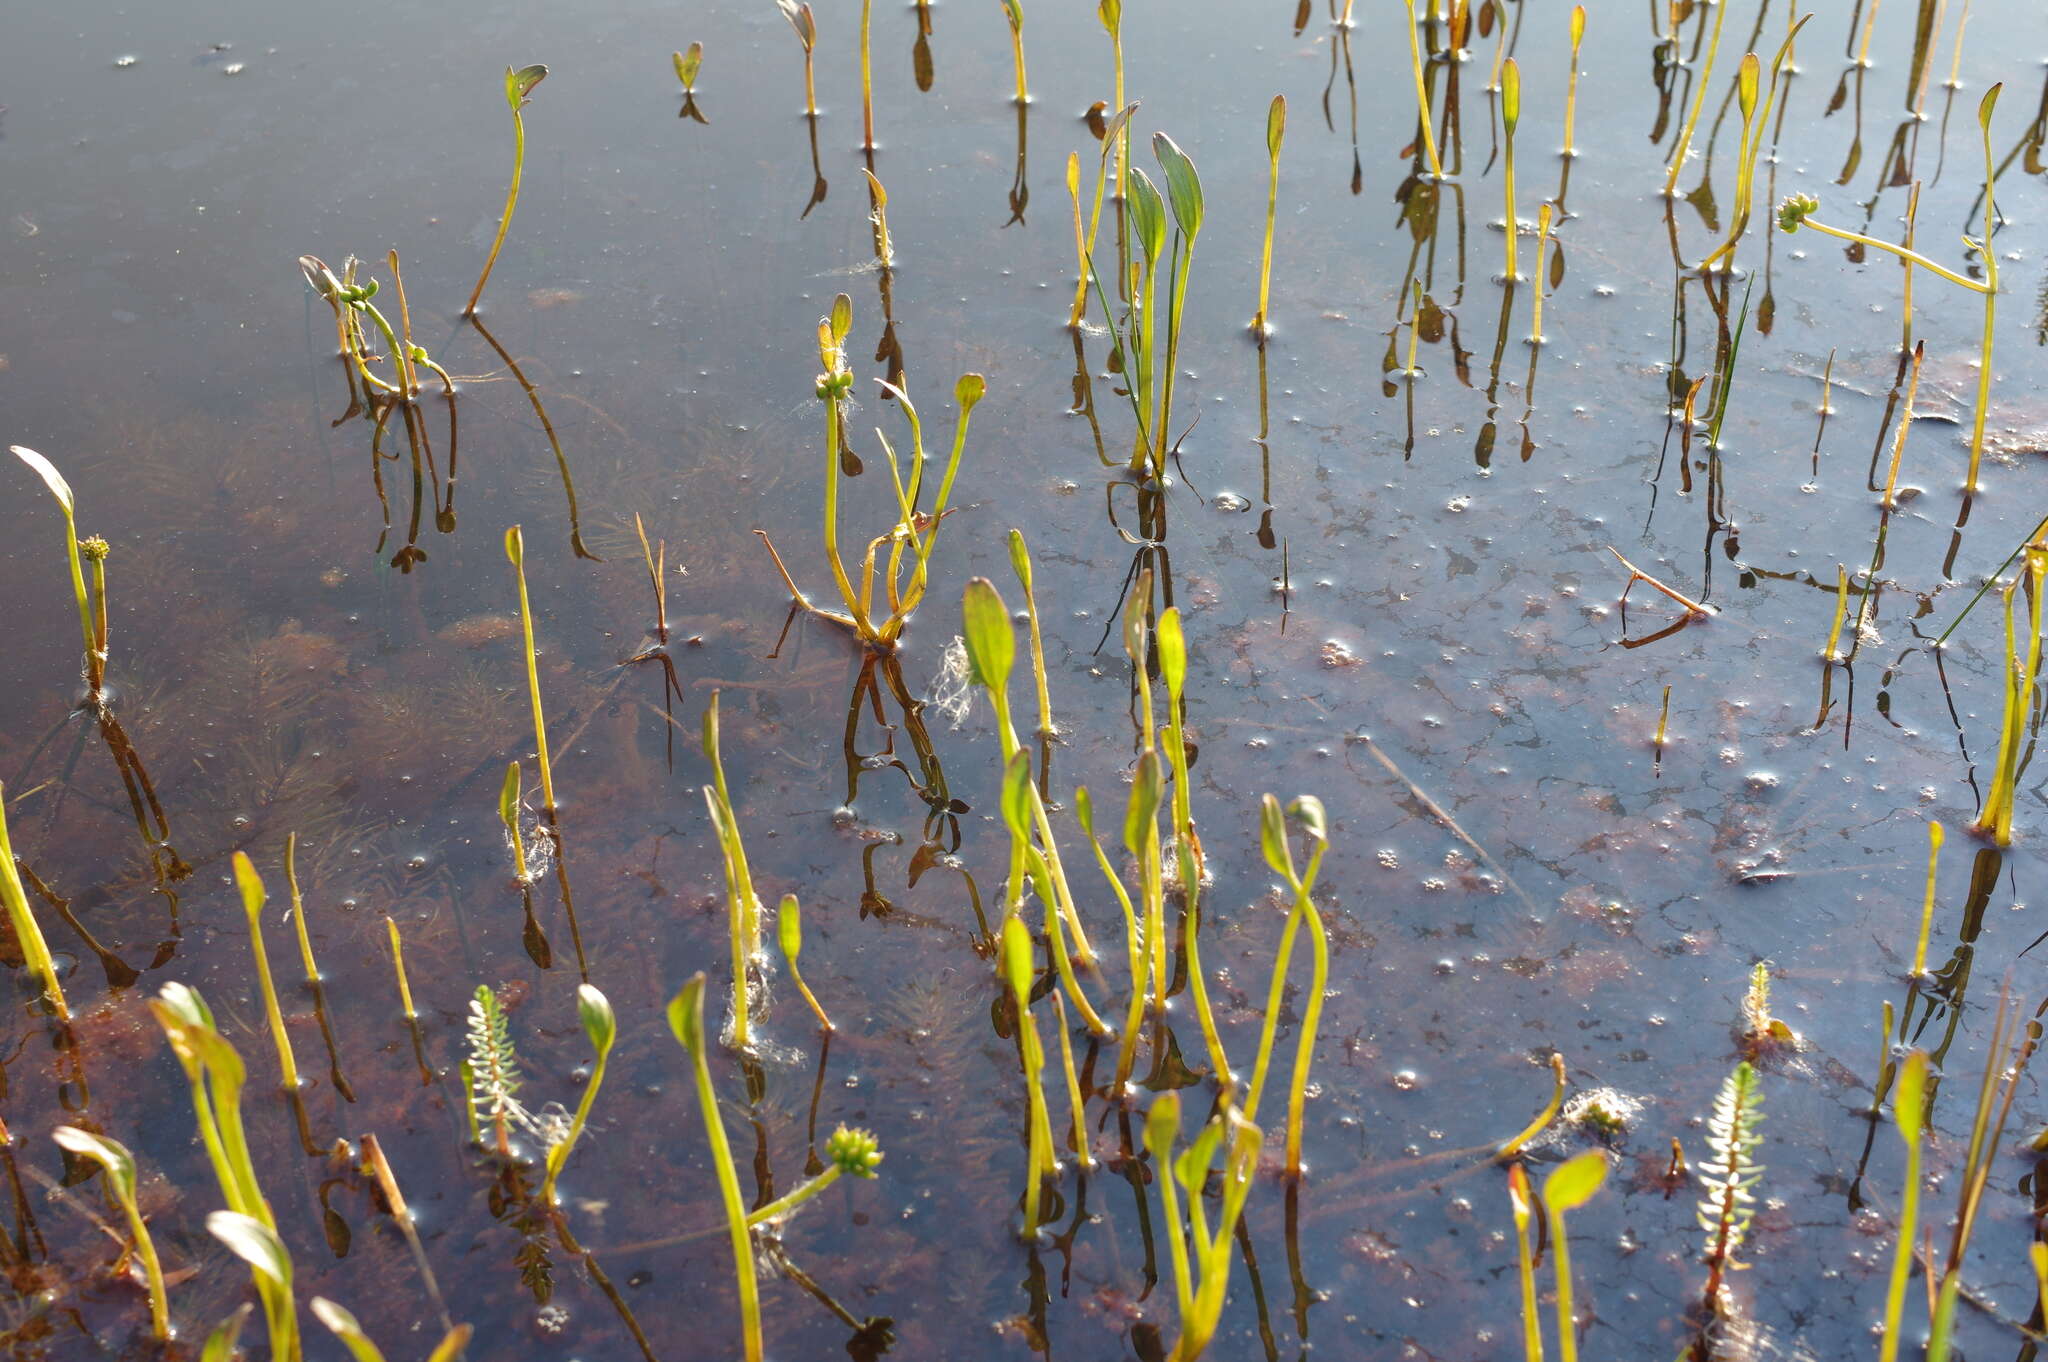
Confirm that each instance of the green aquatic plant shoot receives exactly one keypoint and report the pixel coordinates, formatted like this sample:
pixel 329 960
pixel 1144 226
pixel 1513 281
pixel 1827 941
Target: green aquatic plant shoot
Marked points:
pixel 1306 810
pixel 1512 1148
pixel 1013 12
pixel 601 1028
pixel 913 538
pixel 743 902
pixel 1936 834
pixel 1729 1175
pixel 518 85
pixel 1541 280
pixel 1754 125
pixel 119 1167
pixel 2022 679
pixel 93 635
pixel 1510 117
pixel 495 1079
pixel 270 1268
pixel 806 25
pixel 1521 1203
pixel 1039 1163
pixel 1909 1109
pixel 1189 863
pixel 1200 1254
pixel 1699 98
pixel 848 1151
pixel 28 934
pixel 1276 133
pixel 1020 563
pixel 789 931
pixel 1567 1187
pixel 1436 168
pixel 515 553
pixel 686 1022
pixel 687 65
pixel 250 886
pixel 1577 30
pixel 867 80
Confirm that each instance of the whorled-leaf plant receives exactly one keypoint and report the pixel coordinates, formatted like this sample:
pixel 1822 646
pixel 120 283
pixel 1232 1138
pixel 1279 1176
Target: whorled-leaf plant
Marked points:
pixel 1728 1177
pixel 495 1079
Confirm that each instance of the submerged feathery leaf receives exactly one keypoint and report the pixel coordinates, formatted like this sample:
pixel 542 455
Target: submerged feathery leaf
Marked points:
pixel 494 1064
pixel 1730 1171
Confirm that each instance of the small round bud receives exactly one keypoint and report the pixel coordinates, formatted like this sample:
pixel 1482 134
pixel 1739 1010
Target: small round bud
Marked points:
pixel 94 550
pixel 854 1151
pixel 1795 210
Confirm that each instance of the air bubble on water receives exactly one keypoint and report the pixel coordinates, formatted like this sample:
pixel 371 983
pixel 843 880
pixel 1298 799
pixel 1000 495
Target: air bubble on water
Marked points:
pixel 552 1319
pixel 1407 1080
pixel 125 60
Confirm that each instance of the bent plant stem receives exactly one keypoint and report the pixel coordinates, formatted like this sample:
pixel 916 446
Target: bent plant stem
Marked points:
pixel 548 428
pixel 515 553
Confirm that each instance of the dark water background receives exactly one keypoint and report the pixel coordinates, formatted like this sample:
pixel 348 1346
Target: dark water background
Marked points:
pixel 661 286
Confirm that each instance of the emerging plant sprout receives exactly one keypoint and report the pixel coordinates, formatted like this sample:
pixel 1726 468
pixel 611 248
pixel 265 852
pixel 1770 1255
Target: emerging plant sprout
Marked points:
pixel 28 935
pixel 601 1028
pixel 518 86
pixel 118 1165
pixel 806 25
pixel 1276 133
pixel 687 65
pixel 1567 1187
pixel 686 1021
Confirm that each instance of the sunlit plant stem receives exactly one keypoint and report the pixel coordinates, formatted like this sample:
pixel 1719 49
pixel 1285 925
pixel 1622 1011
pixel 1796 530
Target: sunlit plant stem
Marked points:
pixel 1909 1104
pixel 1276 132
pixel 686 1021
pixel 1014 12
pixel 250 886
pixel 1422 93
pixel 1569 1186
pixel 118 1165
pixel 1510 116
pixel 601 1026
pixel 518 85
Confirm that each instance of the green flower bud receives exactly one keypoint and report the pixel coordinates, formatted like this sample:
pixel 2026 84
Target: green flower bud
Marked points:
pixel 854 1151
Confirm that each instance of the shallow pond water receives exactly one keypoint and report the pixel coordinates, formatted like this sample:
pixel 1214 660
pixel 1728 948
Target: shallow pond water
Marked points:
pixel 1559 825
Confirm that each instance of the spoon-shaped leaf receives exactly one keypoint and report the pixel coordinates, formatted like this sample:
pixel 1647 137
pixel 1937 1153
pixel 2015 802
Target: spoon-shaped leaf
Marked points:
pixel 254 1242
pixel 109 1154
pixel 600 1023
pixel 1183 185
pixel 1148 216
pixel 345 1327
pixel 991 641
pixel 1572 1183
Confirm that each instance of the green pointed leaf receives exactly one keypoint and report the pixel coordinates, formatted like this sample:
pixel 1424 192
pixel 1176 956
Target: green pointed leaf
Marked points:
pixel 1015 13
pixel 842 318
pixel 1510 95
pixel 1579 25
pixel 109 1154
pixel 1020 559
pixel 1017 960
pixel 220 1344
pixel 255 1243
pixel 1909 1099
pixel 1148 216
pixel 1135 619
pixel 968 391
pixel 519 84
pixel 457 1338
pixel 1746 78
pixel 1173 653
pixel 1984 108
pixel 515 547
pixel 1148 784
pixel 47 471
pixel 1276 125
pixel 1162 1125
pixel 345 1327
pixel 600 1023
pixel 1273 838
pixel 1307 810
pixel 789 928
pixel 508 798
pixel 249 884
pixel 1017 795
pixel 1183 185
pixel 1111 15
pixel 1084 811
pixel 686 1014
pixel 991 641
pixel 1572 1183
